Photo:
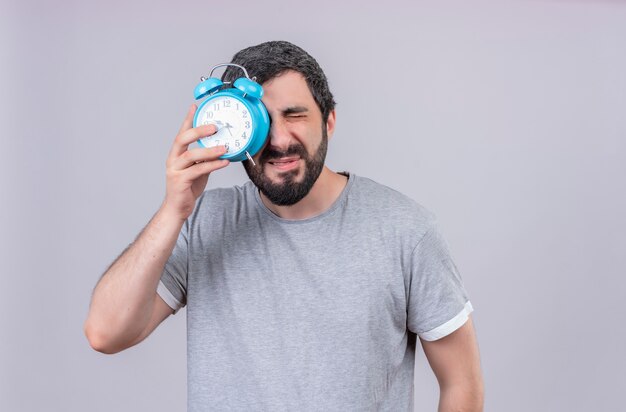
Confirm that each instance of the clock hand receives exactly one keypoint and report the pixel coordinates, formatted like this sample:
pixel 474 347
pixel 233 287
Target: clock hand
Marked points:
pixel 228 127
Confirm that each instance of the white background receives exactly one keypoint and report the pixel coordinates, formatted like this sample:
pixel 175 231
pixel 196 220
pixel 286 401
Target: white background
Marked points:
pixel 511 115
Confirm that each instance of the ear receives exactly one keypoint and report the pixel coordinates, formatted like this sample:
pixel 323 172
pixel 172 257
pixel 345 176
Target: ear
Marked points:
pixel 330 124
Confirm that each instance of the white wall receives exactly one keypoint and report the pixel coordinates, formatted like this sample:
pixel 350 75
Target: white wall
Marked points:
pixel 506 118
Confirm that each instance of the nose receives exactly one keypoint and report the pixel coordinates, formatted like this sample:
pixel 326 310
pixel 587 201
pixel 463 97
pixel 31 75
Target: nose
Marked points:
pixel 279 137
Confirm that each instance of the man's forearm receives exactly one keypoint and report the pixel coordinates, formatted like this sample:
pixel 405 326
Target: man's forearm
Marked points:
pixel 468 398
pixel 122 301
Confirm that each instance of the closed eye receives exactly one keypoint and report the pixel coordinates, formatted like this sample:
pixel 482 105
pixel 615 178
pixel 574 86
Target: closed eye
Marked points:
pixel 295 111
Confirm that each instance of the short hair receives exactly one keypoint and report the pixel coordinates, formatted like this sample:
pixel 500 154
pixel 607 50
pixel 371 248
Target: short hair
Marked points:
pixel 268 60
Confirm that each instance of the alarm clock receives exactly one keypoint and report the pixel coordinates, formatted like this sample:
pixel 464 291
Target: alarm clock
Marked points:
pixel 241 118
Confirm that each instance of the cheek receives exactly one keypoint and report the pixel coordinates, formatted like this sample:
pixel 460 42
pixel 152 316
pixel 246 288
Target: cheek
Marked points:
pixel 306 134
pixel 294 127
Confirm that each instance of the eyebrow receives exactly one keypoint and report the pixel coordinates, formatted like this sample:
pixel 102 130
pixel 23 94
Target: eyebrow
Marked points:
pixel 294 109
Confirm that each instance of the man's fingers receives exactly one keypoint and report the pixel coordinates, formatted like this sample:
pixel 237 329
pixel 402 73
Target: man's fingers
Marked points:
pixel 188 122
pixel 189 136
pixel 193 156
pixel 199 169
pixel 204 168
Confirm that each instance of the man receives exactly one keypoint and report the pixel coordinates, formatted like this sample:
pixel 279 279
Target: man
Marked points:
pixel 305 288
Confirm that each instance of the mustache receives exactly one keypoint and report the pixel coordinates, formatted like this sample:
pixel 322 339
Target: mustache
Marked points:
pixel 292 150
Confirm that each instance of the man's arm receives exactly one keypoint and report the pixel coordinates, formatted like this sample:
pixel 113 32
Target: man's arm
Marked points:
pixel 125 306
pixel 455 361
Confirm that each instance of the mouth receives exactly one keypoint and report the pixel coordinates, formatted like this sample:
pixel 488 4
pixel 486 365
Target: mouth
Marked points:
pixel 284 163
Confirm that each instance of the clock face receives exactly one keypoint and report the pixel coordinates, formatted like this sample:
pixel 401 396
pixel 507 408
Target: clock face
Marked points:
pixel 233 120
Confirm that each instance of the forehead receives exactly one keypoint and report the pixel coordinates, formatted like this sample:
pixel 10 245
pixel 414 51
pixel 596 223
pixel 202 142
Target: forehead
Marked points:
pixel 287 90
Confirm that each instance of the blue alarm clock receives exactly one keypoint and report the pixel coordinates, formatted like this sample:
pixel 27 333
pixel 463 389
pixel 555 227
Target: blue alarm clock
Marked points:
pixel 241 118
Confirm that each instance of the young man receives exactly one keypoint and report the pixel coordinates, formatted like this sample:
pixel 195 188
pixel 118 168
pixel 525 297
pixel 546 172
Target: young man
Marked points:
pixel 305 288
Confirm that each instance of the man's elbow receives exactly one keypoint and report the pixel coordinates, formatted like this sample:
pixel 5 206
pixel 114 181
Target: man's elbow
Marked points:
pixel 466 397
pixel 100 341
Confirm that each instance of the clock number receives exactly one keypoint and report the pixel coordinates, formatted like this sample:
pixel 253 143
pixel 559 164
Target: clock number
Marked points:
pixel 245 114
pixel 209 115
pixel 247 124
pixel 226 145
pixel 216 106
pixel 226 103
pixel 244 135
pixel 237 143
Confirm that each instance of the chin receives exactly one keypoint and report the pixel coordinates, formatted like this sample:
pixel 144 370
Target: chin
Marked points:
pixel 278 177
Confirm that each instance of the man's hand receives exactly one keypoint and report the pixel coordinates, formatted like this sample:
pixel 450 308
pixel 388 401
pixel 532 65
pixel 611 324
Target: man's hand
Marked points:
pixel 187 171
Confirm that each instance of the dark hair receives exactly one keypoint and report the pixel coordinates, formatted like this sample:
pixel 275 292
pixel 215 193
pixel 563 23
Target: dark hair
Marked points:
pixel 268 60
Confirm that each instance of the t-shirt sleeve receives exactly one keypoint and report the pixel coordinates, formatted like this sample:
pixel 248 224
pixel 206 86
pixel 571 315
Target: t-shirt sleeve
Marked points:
pixel 173 284
pixel 438 303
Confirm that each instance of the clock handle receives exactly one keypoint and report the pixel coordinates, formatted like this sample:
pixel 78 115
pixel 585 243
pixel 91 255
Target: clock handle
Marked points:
pixel 229 64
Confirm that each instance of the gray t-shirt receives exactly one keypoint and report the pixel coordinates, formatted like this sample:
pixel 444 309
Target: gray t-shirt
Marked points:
pixel 318 314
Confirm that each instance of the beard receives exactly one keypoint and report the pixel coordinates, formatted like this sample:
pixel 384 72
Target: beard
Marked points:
pixel 289 191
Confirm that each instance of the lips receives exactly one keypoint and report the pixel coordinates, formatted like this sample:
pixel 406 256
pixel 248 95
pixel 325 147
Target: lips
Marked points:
pixel 283 160
pixel 284 163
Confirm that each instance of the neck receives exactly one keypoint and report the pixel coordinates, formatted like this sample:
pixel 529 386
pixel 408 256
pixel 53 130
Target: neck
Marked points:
pixel 325 191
